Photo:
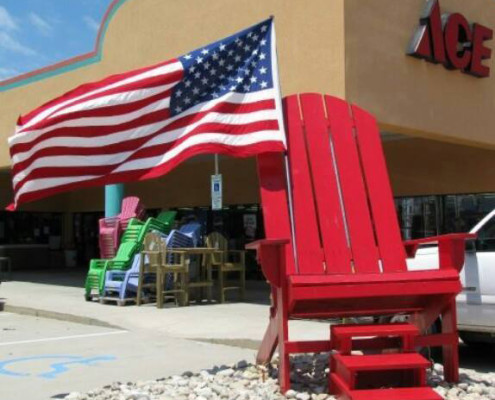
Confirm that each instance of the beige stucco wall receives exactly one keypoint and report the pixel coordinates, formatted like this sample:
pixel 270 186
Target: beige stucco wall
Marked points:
pixel 409 95
pixel 186 186
pixel 421 166
pixel 417 167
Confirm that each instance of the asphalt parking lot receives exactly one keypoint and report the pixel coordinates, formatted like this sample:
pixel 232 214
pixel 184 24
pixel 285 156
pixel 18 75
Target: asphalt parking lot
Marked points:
pixel 46 359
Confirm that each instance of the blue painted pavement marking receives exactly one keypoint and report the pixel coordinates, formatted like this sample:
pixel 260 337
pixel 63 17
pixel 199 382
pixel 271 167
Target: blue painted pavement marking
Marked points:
pixel 55 368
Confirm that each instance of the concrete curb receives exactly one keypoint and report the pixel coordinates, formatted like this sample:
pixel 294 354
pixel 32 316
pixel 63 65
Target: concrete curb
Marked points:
pixel 241 343
pixel 58 316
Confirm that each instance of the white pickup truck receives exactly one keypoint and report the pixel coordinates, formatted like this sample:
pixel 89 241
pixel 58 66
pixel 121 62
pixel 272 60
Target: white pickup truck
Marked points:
pixel 476 303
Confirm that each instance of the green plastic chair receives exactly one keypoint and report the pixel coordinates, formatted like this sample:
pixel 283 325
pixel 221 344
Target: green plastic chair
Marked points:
pixel 167 218
pixel 133 231
pixel 98 267
pixel 137 230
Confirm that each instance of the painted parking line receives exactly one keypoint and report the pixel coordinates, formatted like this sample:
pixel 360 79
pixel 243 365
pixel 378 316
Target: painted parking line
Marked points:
pixel 54 339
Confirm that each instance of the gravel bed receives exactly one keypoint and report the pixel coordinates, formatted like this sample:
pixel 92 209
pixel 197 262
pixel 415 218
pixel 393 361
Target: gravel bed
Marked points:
pixel 244 381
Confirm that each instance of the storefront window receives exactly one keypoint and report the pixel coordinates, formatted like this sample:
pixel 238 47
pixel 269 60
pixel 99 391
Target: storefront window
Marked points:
pixel 462 212
pixel 486 237
pixel 424 216
pixel 86 230
pixel 30 228
pixel 418 216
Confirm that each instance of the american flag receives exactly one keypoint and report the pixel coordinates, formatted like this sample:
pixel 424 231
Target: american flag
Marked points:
pixel 221 98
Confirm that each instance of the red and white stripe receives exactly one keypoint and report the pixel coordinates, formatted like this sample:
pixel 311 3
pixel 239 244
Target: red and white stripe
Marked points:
pixel 120 129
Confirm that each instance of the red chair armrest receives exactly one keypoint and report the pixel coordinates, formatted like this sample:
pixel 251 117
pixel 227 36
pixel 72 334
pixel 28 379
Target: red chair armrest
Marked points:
pixel 450 248
pixel 270 254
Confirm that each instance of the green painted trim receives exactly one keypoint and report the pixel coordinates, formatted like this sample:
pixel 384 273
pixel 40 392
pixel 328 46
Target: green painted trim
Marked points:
pixel 113 199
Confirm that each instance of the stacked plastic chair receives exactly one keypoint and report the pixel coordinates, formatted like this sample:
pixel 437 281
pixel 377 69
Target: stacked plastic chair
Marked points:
pixel 124 284
pixel 131 243
pixel 98 267
pixel 112 227
pixel 193 230
pixel 109 236
pixel 136 229
pixel 131 208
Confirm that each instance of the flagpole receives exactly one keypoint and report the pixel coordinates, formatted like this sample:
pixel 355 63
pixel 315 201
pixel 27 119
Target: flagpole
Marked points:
pixel 278 101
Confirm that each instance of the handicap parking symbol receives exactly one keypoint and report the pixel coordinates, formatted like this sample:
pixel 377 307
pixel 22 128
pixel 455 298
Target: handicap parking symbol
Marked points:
pixel 57 364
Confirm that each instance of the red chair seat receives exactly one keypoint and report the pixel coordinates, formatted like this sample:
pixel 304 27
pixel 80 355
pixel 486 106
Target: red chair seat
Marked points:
pixel 341 295
pixel 338 279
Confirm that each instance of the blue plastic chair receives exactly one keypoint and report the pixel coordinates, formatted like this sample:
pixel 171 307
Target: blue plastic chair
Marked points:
pixel 124 282
pixel 193 230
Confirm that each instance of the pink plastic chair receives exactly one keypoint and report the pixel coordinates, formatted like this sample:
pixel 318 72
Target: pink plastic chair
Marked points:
pixel 109 236
pixel 131 208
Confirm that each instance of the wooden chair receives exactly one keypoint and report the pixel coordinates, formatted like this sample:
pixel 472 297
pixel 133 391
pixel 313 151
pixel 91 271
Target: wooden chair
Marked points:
pixel 149 264
pixel 173 265
pixel 227 261
pixel 333 246
pixel 165 259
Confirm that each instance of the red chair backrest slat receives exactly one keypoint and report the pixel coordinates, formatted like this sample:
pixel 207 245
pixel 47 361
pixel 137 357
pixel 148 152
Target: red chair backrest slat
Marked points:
pixel 309 252
pixel 273 190
pixel 380 194
pixel 343 211
pixel 357 215
pixel 325 186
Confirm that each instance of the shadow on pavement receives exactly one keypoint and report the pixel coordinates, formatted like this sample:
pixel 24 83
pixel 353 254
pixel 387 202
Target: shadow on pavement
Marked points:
pixel 257 291
pixel 58 277
pixel 480 358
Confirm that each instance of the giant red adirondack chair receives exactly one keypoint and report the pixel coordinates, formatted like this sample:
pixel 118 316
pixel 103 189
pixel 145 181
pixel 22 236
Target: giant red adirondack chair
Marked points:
pixel 333 246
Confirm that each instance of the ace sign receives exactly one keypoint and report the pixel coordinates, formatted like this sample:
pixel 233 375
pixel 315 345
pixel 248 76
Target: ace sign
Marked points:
pixel 449 39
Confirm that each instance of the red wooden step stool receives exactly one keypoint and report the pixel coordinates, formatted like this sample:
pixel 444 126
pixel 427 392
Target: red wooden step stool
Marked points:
pixel 363 372
pixel 346 338
pixel 391 376
pixel 416 393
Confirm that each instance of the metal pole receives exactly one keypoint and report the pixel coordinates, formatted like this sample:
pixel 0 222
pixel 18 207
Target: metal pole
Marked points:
pixel 216 164
pixel 278 100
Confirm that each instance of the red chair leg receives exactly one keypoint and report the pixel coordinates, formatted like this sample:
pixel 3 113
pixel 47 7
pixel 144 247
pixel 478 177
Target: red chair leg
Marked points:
pixel 270 339
pixel 269 343
pixel 450 350
pixel 283 338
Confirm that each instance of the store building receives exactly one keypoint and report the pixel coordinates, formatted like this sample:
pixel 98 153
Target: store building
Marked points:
pixel 438 124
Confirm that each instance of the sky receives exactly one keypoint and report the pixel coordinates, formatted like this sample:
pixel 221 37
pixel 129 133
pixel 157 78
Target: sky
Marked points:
pixel 37 33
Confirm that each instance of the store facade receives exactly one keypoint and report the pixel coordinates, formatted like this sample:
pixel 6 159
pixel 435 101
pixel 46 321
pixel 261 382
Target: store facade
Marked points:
pixel 437 123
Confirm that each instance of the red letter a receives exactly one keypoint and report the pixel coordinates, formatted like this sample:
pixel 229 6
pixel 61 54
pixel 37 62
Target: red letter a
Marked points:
pixel 427 41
